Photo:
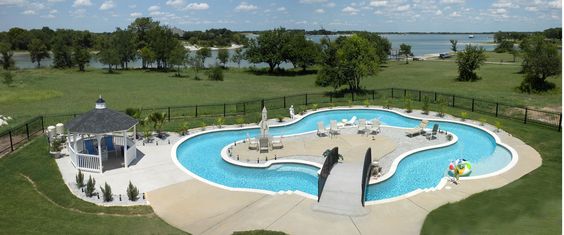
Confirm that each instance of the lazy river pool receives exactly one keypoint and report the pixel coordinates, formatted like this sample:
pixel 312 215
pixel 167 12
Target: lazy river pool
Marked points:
pixel 200 154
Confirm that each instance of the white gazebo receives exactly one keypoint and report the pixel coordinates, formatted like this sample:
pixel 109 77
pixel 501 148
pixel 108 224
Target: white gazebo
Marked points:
pixel 98 140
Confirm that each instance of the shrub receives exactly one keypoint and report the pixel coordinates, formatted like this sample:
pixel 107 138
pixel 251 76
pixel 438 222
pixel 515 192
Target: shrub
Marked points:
pixel 184 128
pixel 366 102
pixel 79 179
pixel 57 144
pixel 408 104
pixel 463 116
pixel 132 192
pixel 442 107
pixel 147 134
pixel 388 103
pixel 497 126
pixel 280 118
pixel 203 125
pixel 8 78
pixel 314 106
pixel 90 187
pixel 331 105
pixel 215 73
pixel 350 103
pixel 107 193
pixel 425 105
pixel 240 121
pixel 482 121
pixel 220 121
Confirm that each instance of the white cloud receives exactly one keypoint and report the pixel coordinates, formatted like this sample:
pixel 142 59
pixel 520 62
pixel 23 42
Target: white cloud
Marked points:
pixel 403 7
pixel 49 16
pixel 107 5
pixel 154 8
pixel 320 11
pixel 555 4
pixel 378 3
pixel 54 11
pixel 244 6
pixel 500 11
pixel 175 3
pixel 53 1
pixel 454 14
pixel 331 5
pixel 312 1
pixel 82 3
pixel 197 6
pixel 531 9
pixel 136 14
pixel 78 13
pixel 350 10
pixel 504 4
pixel 29 12
pixel 281 9
pixel 438 12
pixel 452 1
pixel 11 2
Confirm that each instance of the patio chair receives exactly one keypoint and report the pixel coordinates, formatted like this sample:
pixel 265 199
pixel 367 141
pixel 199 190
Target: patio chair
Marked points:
pixel 109 144
pixel 264 144
pixel 334 129
pixel 433 133
pixel 362 128
pixel 89 146
pixel 277 142
pixel 253 144
pixel 417 130
pixel 375 127
pixel 321 129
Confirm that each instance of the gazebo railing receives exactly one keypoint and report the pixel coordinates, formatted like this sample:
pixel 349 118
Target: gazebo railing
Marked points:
pixel 86 162
pixel 131 153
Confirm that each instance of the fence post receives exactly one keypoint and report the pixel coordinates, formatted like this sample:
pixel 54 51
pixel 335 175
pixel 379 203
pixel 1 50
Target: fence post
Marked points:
pixel 27 131
pixel 42 125
pixel 560 123
pixel 419 96
pixel 496 109
pixel 352 96
pixel 404 93
pixel 472 104
pixel 392 92
pixel 196 110
pixel 526 111
pixel 245 108
pixel 224 109
pixel 261 105
pixel 453 100
pixel 372 94
pixel 284 101
pixel 435 96
pixel 331 98
pixel 306 99
pixel 11 142
pixel 168 114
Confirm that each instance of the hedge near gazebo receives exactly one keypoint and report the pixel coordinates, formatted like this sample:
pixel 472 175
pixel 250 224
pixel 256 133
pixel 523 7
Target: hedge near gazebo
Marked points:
pixel 98 140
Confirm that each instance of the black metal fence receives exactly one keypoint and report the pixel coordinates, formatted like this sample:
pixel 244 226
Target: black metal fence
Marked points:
pixel 330 160
pixel 304 101
pixel 15 137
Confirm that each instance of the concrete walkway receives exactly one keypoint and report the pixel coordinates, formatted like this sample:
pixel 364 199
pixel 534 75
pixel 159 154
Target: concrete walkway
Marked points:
pixel 342 192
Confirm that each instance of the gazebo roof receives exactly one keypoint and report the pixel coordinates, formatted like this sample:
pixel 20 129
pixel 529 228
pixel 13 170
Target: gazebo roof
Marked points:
pixel 101 120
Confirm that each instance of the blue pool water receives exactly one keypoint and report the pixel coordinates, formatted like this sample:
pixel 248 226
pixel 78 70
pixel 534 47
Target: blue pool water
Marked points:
pixel 201 155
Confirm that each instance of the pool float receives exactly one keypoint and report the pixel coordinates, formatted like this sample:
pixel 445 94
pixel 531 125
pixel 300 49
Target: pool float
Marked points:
pixel 463 167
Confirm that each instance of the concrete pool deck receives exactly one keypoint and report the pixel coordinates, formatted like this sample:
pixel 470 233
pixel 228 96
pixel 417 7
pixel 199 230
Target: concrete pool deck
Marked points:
pixel 200 208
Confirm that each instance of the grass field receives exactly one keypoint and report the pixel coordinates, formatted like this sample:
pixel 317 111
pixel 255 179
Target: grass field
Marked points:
pixel 51 91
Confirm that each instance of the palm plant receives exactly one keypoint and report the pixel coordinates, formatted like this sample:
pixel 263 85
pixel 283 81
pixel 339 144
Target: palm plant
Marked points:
pixel 158 120
pixel 328 152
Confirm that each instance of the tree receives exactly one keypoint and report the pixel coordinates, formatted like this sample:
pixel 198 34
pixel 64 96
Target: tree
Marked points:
pixel 62 55
pixel 125 45
pixel 81 57
pixel 158 119
pixel 215 73
pixel 37 51
pixel 161 41
pixel 178 58
pixel 405 50
pixel 237 57
pixel 132 192
pixel 541 60
pixel 349 61
pixel 8 78
pixel 107 193
pixel 19 38
pixel 202 54
pixel 223 56
pixel 147 56
pixel 302 52
pixel 453 45
pixel 195 63
pixel 504 46
pixel 381 45
pixel 6 60
pixel 90 187
pixel 140 27
pixel 269 47
pixel 469 60
pixel 107 53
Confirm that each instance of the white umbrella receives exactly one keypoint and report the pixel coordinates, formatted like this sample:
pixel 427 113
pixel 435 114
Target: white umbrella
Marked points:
pixel 263 124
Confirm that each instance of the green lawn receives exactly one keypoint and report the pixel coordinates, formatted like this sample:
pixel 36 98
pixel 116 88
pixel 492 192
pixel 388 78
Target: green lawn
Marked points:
pixel 52 91
pixel 530 205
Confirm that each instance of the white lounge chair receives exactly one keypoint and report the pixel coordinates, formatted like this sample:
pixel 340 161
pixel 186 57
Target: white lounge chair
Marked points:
pixel 417 130
pixel 277 142
pixel 351 122
pixel 375 127
pixel 362 128
pixel 321 129
pixel 253 144
pixel 334 129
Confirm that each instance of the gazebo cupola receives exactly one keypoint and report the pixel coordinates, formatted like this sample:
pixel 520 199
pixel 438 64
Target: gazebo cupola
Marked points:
pixel 98 140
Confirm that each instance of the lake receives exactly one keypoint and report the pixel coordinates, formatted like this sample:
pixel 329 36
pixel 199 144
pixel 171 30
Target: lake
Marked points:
pixel 421 45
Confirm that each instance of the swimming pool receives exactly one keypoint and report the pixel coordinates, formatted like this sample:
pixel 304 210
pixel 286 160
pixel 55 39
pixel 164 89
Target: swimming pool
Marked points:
pixel 200 155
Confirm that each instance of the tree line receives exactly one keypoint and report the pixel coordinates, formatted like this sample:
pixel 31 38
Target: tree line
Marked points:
pixel 551 33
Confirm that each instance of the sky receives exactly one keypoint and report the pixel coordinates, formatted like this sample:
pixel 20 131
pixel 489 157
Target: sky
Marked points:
pixel 376 15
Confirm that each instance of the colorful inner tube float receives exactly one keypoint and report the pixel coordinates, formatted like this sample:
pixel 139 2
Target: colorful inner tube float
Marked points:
pixel 460 166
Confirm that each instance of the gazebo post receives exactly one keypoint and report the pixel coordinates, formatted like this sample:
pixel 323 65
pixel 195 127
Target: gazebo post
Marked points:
pixel 135 134
pixel 98 137
pixel 125 148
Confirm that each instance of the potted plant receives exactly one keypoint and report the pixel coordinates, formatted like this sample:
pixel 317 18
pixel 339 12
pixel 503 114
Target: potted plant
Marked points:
pixel 56 147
